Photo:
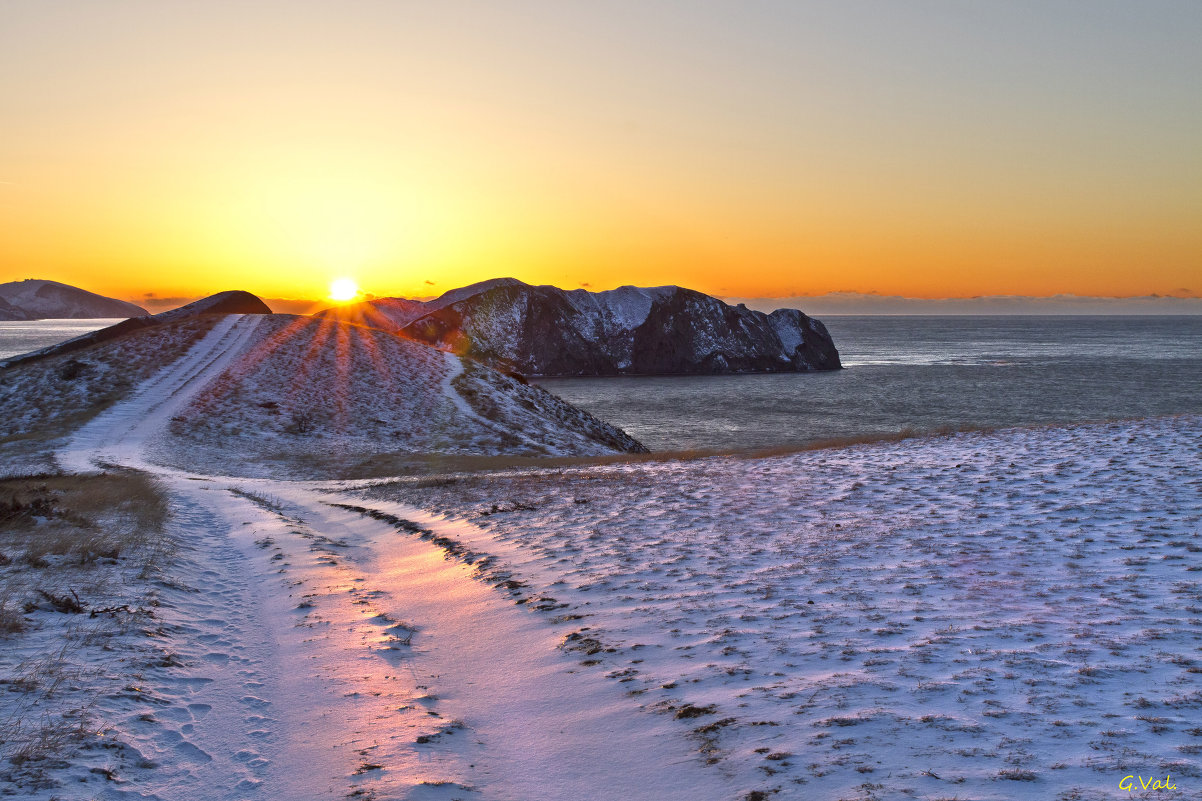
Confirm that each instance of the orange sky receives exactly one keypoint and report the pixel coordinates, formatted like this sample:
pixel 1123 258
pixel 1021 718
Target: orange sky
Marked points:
pixel 774 149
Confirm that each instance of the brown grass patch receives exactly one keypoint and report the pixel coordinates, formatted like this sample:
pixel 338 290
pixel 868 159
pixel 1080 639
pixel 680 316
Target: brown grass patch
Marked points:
pixel 54 526
pixel 71 546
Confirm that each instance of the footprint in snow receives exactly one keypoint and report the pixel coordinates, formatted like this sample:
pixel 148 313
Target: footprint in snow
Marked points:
pixel 191 753
pixel 254 702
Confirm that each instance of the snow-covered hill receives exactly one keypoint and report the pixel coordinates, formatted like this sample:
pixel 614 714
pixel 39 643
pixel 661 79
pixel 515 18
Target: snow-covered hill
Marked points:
pixel 545 331
pixel 42 400
pixel 38 299
pixel 311 390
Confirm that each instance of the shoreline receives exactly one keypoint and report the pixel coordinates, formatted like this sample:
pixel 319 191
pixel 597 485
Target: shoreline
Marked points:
pixel 505 465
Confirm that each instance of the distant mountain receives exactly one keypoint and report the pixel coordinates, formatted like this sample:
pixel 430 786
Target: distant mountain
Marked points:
pixel 546 331
pixel 231 302
pixel 38 299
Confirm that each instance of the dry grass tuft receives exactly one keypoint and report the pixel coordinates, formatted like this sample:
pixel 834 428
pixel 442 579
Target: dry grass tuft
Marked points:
pixel 12 621
pixel 70 544
pixel 50 520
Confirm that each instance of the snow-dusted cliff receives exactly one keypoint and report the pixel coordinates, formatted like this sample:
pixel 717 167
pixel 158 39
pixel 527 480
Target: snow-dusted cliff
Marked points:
pixel 545 331
pixel 35 299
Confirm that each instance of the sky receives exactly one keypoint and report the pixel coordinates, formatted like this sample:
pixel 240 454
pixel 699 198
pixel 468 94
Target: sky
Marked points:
pixel 747 149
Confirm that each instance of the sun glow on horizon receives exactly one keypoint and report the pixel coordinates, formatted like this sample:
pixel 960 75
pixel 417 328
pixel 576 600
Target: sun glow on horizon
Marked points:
pixel 822 148
pixel 343 289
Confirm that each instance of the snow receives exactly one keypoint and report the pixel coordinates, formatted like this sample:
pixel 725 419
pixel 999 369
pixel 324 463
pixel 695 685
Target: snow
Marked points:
pixel 480 700
pixel 621 310
pixel 363 393
pixel 787 325
pixel 45 399
pixel 118 434
pixel 453 296
pixel 1014 615
pixel 294 671
pixel 1011 615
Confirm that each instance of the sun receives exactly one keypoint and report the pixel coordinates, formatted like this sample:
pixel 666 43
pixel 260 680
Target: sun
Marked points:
pixel 343 289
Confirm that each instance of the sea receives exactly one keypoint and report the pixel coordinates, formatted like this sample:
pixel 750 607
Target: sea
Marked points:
pixel 902 374
pixel 919 374
pixel 22 337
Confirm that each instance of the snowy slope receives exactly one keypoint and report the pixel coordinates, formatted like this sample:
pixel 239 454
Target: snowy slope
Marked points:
pixel 41 299
pixel 306 391
pixel 119 434
pixel 45 399
pixel 313 389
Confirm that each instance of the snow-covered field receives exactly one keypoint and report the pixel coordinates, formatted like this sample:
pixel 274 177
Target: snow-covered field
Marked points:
pixel 1014 615
pixel 985 616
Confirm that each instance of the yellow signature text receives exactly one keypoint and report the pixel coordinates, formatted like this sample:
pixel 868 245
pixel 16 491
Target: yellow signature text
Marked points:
pixel 1150 784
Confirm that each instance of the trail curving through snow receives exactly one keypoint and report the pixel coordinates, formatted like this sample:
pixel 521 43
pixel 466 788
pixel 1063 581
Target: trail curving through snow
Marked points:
pixel 119 434
pixel 326 652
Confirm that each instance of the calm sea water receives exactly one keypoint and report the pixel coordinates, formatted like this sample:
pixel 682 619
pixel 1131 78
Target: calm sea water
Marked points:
pixel 923 373
pixel 22 337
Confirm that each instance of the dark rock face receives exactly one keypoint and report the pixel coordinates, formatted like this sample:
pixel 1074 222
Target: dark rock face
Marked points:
pixel 39 299
pixel 525 328
pixel 545 331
